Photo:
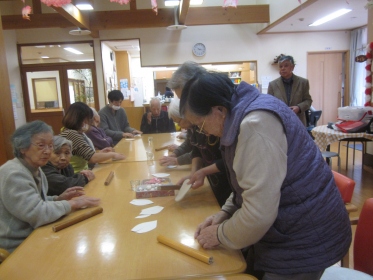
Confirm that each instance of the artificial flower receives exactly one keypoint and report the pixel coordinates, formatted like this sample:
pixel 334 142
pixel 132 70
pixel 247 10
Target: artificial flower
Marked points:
pixel 121 1
pixel 56 3
pixel 230 3
pixel 26 11
pixel 155 6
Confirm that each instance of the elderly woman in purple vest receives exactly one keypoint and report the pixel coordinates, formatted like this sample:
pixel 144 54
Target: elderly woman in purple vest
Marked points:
pixel 285 204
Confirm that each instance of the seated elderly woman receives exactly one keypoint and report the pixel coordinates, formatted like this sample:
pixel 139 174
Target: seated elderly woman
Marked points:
pixel 97 135
pixel 24 203
pixel 59 172
pixel 76 122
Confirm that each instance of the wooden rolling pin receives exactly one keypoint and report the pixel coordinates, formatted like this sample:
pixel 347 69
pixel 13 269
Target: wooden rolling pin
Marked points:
pixel 109 178
pixel 77 219
pixel 161 148
pixel 185 249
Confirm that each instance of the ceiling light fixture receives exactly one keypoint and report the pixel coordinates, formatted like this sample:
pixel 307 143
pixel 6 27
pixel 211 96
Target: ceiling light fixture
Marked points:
pixel 176 26
pixel 84 5
pixel 171 3
pixel 331 16
pixel 79 32
pixel 73 50
pixel 195 2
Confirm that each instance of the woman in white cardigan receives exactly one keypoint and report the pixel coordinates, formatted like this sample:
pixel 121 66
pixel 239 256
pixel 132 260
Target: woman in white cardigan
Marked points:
pixel 24 204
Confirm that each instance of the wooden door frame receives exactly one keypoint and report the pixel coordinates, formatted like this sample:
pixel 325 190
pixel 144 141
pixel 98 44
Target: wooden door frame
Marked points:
pixel 346 77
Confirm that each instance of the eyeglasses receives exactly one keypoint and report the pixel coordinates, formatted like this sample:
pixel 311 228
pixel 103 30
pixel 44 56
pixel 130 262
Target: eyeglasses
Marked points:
pixel 42 146
pixel 201 128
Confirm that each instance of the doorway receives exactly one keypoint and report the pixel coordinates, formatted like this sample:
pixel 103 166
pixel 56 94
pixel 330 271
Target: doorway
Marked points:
pixel 327 77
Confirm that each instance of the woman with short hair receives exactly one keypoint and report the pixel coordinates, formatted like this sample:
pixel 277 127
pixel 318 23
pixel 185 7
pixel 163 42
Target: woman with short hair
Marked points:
pixel 284 202
pixel 76 122
pixel 97 135
pixel 59 172
pixel 24 203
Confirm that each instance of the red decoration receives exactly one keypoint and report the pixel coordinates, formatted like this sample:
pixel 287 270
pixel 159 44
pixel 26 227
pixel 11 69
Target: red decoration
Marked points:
pixel 368 79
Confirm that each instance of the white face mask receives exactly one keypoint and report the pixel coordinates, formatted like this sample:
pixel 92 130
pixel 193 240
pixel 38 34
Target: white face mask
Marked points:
pixel 115 107
pixel 85 127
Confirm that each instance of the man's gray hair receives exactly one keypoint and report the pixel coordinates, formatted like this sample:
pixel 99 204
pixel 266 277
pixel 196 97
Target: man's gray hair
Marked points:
pixel 173 108
pixel 59 141
pixel 155 99
pixel 286 57
pixel 21 138
pixel 184 73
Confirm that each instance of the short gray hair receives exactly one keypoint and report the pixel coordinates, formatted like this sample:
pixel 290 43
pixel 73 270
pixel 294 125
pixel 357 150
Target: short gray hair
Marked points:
pixel 184 73
pixel 94 111
pixel 59 141
pixel 286 57
pixel 21 138
pixel 155 99
pixel 174 108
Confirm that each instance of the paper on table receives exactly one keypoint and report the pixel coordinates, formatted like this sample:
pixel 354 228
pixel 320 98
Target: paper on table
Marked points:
pixel 160 175
pixel 140 202
pixel 183 190
pixel 142 216
pixel 151 210
pixel 145 227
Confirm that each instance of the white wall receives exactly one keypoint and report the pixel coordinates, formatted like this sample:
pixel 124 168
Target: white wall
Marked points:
pixel 225 43
pixel 14 75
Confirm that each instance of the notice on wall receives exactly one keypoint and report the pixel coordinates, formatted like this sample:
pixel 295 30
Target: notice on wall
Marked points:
pixel 14 100
pixel 265 82
pixel 124 88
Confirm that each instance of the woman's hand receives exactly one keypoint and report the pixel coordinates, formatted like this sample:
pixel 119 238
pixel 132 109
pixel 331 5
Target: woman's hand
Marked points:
pixel 172 147
pixel 107 150
pixel 136 132
pixel 89 174
pixel 197 179
pixel 127 135
pixel 70 193
pixel 167 160
pixel 83 202
pixel 118 156
pixel 207 231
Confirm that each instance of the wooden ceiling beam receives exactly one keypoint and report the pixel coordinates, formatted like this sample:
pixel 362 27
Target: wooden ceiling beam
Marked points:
pixel 11 22
pixel 106 20
pixel 73 14
pixel 218 15
pixel 36 7
pixel 183 11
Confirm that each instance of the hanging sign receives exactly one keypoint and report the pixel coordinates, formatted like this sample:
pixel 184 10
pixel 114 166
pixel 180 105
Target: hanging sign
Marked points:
pixel 361 58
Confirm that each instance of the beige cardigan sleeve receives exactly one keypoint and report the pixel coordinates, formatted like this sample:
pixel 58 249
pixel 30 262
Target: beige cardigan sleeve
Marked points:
pixel 260 164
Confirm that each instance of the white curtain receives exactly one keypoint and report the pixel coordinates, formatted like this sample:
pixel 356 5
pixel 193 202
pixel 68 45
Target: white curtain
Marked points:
pixel 357 69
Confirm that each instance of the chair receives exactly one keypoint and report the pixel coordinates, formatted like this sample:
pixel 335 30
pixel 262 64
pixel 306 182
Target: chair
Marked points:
pixel 363 249
pixel 3 254
pixel 346 188
pixel 311 119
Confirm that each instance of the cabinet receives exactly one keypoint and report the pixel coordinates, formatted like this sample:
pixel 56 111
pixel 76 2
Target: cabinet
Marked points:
pixel 235 77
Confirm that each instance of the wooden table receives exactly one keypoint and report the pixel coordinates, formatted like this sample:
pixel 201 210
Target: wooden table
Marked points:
pixel 324 136
pixel 104 247
pixel 135 148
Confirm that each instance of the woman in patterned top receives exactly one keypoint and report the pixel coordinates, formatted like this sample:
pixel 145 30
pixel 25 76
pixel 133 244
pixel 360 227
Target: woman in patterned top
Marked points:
pixel 77 120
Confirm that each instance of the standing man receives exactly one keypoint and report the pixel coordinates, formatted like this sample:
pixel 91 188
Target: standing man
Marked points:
pixel 114 118
pixel 291 89
pixel 156 121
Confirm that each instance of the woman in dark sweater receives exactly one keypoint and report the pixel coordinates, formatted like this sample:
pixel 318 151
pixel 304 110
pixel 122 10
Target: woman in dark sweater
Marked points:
pixel 58 170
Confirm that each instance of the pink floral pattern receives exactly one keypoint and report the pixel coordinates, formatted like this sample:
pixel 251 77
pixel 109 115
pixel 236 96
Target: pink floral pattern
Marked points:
pixel 26 11
pixel 230 3
pixel 368 79
pixel 56 3
pixel 121 1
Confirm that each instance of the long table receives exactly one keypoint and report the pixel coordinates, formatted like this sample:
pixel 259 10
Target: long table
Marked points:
pixel 104 247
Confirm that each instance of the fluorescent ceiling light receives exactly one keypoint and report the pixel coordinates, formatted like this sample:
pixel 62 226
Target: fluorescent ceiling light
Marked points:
pixel 330 17
pixel 82 60
pixel 84 7
pixel 171 3
pixel 73 50
pixel 195 2
pixel 45 57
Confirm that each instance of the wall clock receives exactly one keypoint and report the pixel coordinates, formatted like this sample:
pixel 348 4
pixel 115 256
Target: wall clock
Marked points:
pixel 199 49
